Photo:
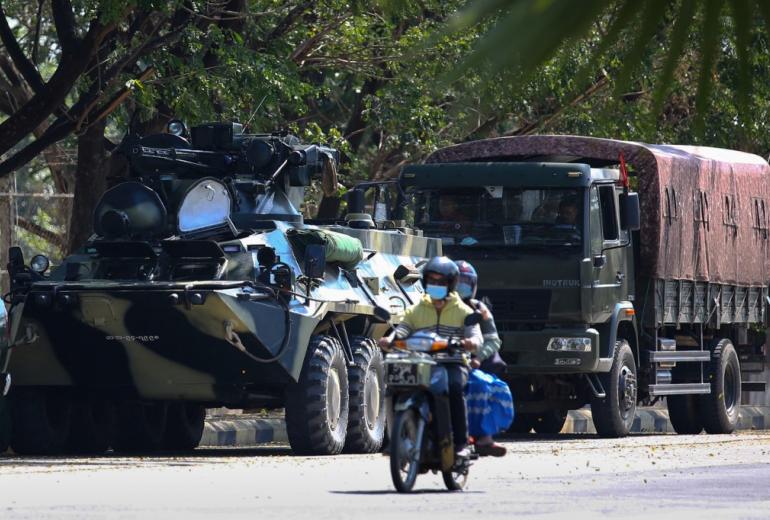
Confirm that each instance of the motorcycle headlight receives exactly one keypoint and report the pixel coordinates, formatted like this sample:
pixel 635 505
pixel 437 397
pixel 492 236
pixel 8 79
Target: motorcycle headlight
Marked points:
pixel 39 264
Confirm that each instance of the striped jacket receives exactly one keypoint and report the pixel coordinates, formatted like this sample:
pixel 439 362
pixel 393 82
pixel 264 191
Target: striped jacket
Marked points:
pixel 448 322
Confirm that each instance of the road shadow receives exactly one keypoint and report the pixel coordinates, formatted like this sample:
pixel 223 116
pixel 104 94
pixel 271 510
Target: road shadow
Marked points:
pixel 169 458
pixel 551 437
pixel 435 491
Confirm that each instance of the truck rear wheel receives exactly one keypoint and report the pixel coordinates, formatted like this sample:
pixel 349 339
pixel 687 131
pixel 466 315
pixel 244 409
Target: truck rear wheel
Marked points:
pixel 614 414
pixel 684 415
pixel 141 427
pixel 366 417
pixel 550 422
pixel 40 420
pixel 184 426
pixel 719 409
pixel 317 405
pixel 94 423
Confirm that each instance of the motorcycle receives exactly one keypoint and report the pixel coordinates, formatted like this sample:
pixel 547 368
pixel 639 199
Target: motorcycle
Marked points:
pixel 421 437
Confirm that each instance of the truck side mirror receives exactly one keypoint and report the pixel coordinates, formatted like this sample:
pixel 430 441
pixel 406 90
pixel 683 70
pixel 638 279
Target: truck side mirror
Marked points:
pixel 315 261
pixel 630 212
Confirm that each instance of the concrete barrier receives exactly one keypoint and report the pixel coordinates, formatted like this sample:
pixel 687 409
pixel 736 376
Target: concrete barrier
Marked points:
pixel 246 431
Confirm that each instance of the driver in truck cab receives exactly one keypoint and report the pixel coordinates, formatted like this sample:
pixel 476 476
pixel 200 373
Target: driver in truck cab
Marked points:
pixel 441 310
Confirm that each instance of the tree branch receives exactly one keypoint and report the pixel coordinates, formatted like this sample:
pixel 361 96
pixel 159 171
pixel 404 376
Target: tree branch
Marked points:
pixel 46 234
pixel 22 63
pixel 64 20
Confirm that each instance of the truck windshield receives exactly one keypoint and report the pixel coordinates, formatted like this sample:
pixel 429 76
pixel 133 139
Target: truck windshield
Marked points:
pixel 502 216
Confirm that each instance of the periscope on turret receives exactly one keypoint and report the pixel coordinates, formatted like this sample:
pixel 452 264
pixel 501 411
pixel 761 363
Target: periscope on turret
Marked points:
pixel 203 286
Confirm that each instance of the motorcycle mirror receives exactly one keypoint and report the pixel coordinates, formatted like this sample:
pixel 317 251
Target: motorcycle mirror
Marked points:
pixel 382 314
pixel 472 319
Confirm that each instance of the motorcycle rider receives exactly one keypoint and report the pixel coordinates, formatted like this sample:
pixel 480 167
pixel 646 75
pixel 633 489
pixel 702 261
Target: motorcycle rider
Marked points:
pixel 441 310
pixel 487 358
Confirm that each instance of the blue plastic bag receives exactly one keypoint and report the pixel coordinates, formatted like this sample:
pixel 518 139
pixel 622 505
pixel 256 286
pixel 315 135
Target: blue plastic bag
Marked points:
pixel 490 404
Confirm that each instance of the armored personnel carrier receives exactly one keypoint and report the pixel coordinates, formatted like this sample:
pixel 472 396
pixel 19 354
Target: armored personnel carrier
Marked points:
pixel 201 287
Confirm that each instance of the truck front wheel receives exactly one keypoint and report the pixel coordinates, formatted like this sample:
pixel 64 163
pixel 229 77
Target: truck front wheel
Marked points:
pixel 317 405
pixel 614 413
pixel 719 409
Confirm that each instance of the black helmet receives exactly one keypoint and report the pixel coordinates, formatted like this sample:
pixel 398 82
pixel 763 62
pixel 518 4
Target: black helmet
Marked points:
pixel 443 266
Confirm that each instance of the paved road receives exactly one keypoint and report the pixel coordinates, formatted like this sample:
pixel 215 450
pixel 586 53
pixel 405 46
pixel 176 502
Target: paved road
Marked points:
pixel 661 476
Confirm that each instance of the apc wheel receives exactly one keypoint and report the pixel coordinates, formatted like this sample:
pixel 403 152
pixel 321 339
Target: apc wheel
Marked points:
pixel 366 418
pixel 5 425
pixel 405 451
pixel 522 424
pixel 719 409
pixel 684 415
pixel 141 427
pixel 614 414
pixel 40 421
pixel 94 422
pixel 184 426
pixel 317 405
pixel 551 422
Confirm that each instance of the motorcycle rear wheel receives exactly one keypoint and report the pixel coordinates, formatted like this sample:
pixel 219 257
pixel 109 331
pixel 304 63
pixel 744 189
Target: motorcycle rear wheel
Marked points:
pixel 405 450
pixel 455 480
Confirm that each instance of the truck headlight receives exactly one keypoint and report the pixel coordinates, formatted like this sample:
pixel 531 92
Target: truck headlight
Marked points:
pixel 569 345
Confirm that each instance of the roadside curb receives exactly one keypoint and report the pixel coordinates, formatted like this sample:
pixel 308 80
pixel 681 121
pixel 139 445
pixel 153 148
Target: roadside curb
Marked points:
pixel 253 431
pixel 243 432
pixel 655 420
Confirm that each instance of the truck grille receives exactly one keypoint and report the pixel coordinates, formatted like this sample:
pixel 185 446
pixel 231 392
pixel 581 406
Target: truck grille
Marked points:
pixel 510 305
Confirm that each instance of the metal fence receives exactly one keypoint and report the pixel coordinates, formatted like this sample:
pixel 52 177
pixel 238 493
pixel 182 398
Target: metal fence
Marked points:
pixel 37 222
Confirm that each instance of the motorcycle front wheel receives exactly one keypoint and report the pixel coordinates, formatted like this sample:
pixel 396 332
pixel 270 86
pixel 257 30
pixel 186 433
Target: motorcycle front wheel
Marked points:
pixel 405 450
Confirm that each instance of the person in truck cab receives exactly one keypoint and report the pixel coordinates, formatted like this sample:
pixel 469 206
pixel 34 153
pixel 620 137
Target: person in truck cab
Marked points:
pixel 568 212
pixel 487 358
pixel 441 310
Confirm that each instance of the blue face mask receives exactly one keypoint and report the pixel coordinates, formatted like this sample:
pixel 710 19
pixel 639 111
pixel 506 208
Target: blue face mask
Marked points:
pixel 465 290
pixel 437 292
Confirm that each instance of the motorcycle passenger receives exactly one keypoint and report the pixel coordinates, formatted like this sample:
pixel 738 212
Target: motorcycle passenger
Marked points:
pixel 487 358
pixel 441 310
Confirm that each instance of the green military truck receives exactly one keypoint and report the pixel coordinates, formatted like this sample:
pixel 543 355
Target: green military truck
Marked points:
pixel 605 295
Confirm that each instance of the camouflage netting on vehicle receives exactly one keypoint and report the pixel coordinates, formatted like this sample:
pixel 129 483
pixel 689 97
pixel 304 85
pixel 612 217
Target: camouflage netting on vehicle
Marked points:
pixel 704 210
pixel 341 248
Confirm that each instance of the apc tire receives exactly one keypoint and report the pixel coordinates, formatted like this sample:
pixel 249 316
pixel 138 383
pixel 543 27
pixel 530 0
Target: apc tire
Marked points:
pixel 719 409
pixel 184 426
pixel 614 414
pixel 366 416
pixel 141 427
pixel 5 425
pixel 94 423
pixel 317 405
pixel 40 421
pixel 684 414
pixel 550 423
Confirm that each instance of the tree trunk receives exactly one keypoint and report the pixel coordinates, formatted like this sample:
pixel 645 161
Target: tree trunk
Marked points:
pixel 90 183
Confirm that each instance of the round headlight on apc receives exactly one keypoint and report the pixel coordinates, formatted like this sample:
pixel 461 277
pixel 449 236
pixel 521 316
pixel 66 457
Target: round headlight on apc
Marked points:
pixel 39 264
pixel 176 127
